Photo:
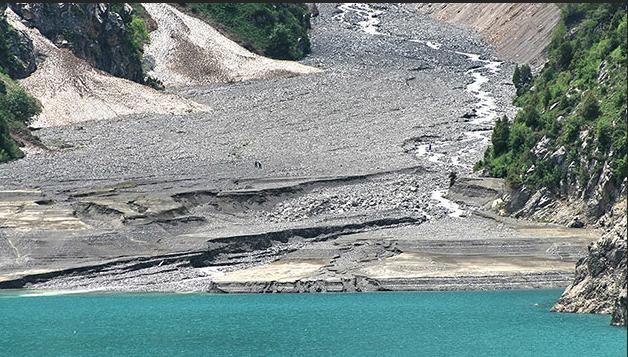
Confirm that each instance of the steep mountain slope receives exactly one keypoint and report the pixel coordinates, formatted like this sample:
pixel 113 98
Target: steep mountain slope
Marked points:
pixel 71 90
pixel 565 151
pixel 184 50
pixel 17 58
pixel 519 32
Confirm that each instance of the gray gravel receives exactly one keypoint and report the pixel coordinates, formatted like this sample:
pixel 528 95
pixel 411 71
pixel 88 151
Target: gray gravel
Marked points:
pixel 351 119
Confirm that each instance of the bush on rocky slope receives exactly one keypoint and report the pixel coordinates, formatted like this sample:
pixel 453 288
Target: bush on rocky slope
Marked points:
pixel 570 135
pixel 275 30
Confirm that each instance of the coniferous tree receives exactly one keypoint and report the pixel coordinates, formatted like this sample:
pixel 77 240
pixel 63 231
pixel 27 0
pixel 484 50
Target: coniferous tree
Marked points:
pixel 500 136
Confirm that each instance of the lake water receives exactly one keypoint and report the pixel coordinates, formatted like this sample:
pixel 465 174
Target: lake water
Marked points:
pixel 503 323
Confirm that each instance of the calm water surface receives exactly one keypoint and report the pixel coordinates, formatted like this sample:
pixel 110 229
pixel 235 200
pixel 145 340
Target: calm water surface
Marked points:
pixel 505 323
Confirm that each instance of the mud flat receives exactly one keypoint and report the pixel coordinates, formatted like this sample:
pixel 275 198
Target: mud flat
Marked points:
pixel 353 193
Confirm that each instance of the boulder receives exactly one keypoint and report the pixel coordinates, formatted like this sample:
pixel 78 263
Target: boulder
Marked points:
pixel 575 223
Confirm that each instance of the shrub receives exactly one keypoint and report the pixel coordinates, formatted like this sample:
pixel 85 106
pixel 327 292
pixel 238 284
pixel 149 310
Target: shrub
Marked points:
pixel 282 45
pixel 16 109
pixel 521 137
pixel 589 107
pixel 522 78
pixel 22 106
pixel 138 33
pixel 603 133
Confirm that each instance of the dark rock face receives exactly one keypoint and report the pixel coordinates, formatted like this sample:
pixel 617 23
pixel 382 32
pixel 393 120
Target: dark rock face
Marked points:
pixel 17 57
pixel 93 31
pixel 600 282
pixel 619 311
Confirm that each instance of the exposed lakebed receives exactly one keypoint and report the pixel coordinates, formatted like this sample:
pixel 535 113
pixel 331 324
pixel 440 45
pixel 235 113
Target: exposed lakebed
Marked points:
pixel 351 194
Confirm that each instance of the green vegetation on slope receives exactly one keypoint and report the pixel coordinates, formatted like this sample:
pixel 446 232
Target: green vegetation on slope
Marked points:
pixel 16 107
pixel 8 62
pixel 16 110
pixel 573 113
pixel 138 27
pixel 275 30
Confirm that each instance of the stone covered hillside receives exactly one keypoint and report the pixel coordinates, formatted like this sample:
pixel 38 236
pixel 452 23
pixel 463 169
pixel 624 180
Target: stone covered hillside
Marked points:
pixel 520 32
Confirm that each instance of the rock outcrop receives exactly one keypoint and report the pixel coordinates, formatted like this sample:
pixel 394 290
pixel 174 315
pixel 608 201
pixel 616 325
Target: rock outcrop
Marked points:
pixel 17 57
pixel 600 282
pixel 71 90
pixel 93 32
pixel 520 32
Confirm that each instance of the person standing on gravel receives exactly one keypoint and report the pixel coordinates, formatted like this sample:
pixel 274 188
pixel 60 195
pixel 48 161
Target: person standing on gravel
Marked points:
pixel 452 178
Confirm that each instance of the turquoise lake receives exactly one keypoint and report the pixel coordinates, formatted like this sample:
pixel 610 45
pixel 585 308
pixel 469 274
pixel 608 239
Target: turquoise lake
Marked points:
pixel 498 323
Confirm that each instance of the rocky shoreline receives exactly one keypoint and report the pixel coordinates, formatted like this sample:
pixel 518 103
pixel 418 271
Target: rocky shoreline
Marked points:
pixel 600 282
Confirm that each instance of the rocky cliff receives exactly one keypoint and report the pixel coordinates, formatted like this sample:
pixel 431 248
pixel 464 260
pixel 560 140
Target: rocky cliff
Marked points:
pixel 519 32
pixel 17 58
pixel 600 282
pixel 93 31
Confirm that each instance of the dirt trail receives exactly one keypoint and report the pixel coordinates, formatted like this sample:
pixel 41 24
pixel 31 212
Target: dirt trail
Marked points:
pixel 186 51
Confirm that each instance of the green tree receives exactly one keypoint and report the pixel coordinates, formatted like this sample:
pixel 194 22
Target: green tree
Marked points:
pixel 565 54
pixel 522 78
pixel 500 136
pixel 8 148
pixel 21 105
pixel 282 44
pixel 138 33
pixel 521 138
